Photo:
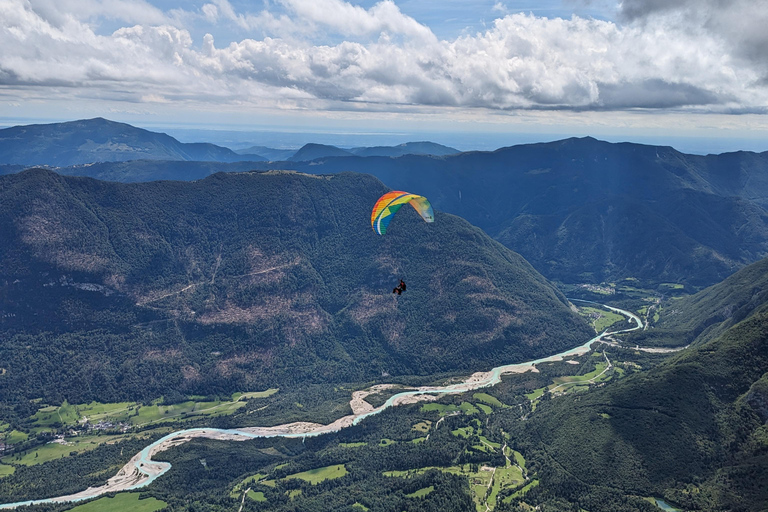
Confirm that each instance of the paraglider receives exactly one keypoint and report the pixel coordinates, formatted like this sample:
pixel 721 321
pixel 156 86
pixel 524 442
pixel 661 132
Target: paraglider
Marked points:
pixel 388 204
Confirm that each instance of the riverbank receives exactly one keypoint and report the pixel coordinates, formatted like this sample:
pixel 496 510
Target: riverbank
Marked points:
pixel 141 470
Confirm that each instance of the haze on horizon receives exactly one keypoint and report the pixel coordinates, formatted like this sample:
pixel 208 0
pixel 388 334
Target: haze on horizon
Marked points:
pixel 638 70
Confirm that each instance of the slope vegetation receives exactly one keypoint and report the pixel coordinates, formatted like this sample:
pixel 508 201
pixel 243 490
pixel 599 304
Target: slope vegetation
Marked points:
pixel 692 430
pixel 246 281
pixel 586 210
pixel 100 140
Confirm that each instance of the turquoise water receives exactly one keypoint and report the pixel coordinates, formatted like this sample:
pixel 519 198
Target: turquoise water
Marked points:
pixel 492 380
pixel 663 505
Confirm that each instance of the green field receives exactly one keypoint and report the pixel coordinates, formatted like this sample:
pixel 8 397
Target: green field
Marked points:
pixel 15 437
pixel 245 483
pixel 440 408
pixel 352 445
pixel 464 432
pixel 256 496
pixel 486 442
pixel 503 478
pixel 600 318
pixel 519 459
pixel 488 399
pixel 522 491
pixel 254 394
pixel 123 502
pixel 421 492
pixel 509 476
pixel 137 414
pixel 422 426
pixel 562 383
pixel 57 450
pixel 485 408
pixel 536 393
pixel 6 470
pixel 315 476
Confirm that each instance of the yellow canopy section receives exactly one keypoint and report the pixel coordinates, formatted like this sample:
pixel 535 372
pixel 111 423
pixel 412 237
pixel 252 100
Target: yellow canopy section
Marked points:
pixel 388 204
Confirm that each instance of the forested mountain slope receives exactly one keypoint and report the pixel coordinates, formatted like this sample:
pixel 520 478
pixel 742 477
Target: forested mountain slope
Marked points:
pixel 579 210
pixel 693 430
pixel 249 280
pixel 587 210
pixel 100 140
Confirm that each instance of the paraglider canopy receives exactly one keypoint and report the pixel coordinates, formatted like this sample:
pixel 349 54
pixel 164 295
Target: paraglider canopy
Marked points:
pixel 388 204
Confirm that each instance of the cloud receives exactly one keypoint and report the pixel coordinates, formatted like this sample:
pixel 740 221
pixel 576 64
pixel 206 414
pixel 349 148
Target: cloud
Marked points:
pixel 380 58
pixel 740 25
pixel 59 12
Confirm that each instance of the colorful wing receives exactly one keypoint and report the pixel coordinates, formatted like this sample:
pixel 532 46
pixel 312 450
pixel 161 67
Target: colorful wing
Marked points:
pixel 391 202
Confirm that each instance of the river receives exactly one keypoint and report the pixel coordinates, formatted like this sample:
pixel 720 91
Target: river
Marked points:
pixel 141 470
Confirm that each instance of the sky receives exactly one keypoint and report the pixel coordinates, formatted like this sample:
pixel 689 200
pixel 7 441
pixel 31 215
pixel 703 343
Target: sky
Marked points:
pixel 492 70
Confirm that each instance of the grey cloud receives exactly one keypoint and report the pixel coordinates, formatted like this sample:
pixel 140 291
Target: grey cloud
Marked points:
pixel 654 94
pixel 739 24
pixel 631 10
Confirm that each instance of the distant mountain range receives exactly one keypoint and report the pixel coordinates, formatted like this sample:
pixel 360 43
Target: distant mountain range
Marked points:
pixel 580 210
pixel 312 151
pixel 586 210
pixel 100 140
pixel 250 280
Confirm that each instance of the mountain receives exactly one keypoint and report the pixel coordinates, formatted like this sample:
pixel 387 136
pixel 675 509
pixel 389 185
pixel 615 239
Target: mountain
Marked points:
pixel 137 171
pixel 272 154
pixel 244 281
pixel 99 140
pixel 586 210
pixel 408 148
pixel 580 210
pixel 692 430
pixel 311 151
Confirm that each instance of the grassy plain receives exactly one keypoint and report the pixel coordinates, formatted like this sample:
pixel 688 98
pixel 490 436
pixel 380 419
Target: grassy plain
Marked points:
pixel 123 502
pixel 600 318
pixel 421 492
pixel 15 437
pixel 480 481
pixel 68 446
pixel 256 496
pixel 136 414
pixel 315 476
pixel 6 470
pixel 488 399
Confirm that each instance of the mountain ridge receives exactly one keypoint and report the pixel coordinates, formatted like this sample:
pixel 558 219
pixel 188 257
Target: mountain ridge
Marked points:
pixel 691 429
pixel 92 140
pixel 567 206
pixel 244 280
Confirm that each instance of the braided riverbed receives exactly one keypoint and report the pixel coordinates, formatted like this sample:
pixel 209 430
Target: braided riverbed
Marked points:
pixel 141 470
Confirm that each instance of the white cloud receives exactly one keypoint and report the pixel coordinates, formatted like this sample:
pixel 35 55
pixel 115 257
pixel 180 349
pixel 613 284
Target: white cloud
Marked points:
pixel 388 60
pixel 58 12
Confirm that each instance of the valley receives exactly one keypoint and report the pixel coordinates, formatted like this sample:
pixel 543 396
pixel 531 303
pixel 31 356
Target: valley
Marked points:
pixel 141 470
pixel 229 340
